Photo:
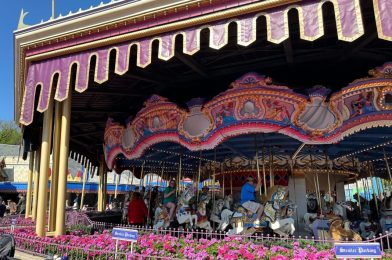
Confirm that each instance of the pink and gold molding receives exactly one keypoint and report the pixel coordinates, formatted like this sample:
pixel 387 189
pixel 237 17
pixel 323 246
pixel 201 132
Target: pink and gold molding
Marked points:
pixel 254 104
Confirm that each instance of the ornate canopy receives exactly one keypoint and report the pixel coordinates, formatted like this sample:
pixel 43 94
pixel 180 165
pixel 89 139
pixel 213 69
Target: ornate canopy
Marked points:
pixel 254 104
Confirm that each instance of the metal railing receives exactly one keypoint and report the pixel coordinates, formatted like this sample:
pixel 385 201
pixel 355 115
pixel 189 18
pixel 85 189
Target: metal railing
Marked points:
pixel 383 239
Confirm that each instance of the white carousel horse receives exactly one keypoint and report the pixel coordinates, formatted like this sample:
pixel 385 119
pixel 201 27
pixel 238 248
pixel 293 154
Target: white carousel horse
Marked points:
pixel 278 211
pixel 187 195
pixel 184 216
pixel 228 202
pixel 161 219
pixel 216 213
pixel 202 221
pixel 284 223
pixel 386 215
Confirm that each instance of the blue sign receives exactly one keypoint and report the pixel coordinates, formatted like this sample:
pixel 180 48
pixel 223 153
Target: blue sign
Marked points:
pixel 125 234
pixel 357 250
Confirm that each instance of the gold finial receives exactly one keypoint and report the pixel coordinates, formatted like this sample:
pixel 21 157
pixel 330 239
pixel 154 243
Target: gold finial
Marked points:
pixel 21 23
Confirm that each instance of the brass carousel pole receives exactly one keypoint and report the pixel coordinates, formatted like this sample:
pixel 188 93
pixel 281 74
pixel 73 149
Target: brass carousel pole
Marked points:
pixel 116 186
pixel 257 162
pixel 179 177
pixel 133 174
pixel 161 181
pixel 231 183
pixel 387 164
pixel 84 182
pixel 141 177
pixel 329 181
pixel 198 182
pixel 263 160
pixel 356 183
pixel 271 173
pixel 223 182
pixel 316 183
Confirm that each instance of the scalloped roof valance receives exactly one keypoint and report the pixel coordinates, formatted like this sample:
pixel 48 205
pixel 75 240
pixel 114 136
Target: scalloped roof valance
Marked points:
pixel 349 27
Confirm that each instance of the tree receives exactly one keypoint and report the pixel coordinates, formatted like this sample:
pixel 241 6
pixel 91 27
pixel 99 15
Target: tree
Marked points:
pixel 10 133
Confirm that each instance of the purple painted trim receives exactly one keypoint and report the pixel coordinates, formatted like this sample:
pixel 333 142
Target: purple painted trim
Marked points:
pixel 215 6
pixel 42 73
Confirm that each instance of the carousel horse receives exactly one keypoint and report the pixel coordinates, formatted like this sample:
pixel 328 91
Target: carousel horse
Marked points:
pixel 202 218
pixel 161 217
pixel 184 216
pixel 340 231
pixel 277 215
pixel 386 215
pixel 284 224
pixel 187 195
pixel 278 211
pixel 367 229
pixel 216 212
pixel 228 202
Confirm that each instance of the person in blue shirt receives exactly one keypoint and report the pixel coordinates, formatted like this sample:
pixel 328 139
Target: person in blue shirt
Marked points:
pixel 248 199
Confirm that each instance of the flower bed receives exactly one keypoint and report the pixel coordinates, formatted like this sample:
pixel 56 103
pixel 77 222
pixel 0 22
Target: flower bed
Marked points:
pixel 160 245
pixel 19 221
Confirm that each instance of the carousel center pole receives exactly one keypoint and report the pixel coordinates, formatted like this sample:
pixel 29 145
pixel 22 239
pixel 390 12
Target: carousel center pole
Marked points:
pixel 43 176
pixel 257 162
pixel 29 184
pixel 387 164
pixel 63 165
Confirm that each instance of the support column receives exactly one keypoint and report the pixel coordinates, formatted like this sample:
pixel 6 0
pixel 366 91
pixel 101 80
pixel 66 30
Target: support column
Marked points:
pixel 63 165
pixel 29 184
pixel 100 188
pixel 44 167
pixel 55 168
pixel 36 183
pixel 105 186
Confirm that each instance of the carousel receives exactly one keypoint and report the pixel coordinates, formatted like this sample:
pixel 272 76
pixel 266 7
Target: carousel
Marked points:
pixel 296 146
pixel 294 95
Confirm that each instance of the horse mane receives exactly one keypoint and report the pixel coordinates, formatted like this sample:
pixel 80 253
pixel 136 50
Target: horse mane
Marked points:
pixel 274 189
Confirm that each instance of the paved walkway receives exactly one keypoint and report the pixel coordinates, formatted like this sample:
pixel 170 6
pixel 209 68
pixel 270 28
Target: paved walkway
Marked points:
pixel 25 256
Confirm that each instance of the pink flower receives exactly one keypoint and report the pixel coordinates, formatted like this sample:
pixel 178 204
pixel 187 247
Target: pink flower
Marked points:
pixel 279 257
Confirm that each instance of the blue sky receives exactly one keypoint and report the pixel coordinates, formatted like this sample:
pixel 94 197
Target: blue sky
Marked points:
pixel 9 17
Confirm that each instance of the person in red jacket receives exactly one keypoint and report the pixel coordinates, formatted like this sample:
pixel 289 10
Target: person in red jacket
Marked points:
pixel 137 210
